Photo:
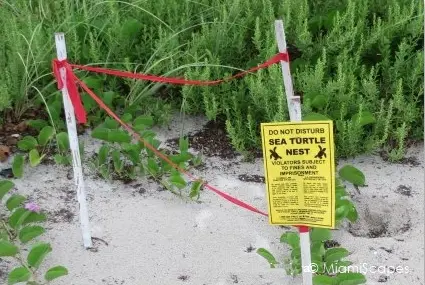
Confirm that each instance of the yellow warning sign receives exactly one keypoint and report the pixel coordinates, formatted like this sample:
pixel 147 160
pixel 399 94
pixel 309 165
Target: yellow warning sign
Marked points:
pixel 299 165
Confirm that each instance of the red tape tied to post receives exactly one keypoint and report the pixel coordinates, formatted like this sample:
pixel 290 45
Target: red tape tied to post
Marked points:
pixel 80 112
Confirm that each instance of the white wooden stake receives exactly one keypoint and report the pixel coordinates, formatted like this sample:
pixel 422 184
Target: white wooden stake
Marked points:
pixel 294 103
pixel 294 108
pixel 73 142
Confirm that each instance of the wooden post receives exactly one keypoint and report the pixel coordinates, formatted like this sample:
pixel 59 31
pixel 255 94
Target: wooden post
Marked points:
pixel 74 145
pixel 294 108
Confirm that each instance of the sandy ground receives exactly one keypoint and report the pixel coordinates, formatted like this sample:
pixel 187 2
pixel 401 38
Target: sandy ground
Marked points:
pixel 148 236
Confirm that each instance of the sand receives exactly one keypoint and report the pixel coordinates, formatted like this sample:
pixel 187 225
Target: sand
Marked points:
pixel 144 235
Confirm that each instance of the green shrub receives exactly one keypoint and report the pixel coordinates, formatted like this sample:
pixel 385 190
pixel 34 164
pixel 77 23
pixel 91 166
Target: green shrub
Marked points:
pixel 358 62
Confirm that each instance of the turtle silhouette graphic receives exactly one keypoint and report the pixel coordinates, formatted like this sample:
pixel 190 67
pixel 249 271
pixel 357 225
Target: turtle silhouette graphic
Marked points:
pixel 274 154
pixel 321 153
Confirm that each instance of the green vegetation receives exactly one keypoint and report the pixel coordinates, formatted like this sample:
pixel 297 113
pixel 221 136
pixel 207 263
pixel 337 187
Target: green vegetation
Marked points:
pixel 20 228
pixel 357 62
pixel 124 159
pixel 328 264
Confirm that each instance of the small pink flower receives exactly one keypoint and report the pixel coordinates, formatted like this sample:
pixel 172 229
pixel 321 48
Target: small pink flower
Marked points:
pixel 33 207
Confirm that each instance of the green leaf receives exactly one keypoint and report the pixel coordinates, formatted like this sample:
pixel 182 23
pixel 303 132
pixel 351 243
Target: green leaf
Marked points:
pixel 343 263
pixel 352 214
pixel 28 233
pixel 153 142
pixel 152 166
pixel 178 181
pixel 315 117
pixel 18 275
pixel 296 253
pixel 93 83
pixel 319 102
pixel 5 187
pixel 34 218
pixel 14 202
pixel 18 166
pixel 147 134
pixel 111 123
pixel 335 254
pixel 18 217
pixel 340 125
pixel 316 259
pixel 62 159
pixel 351 279
pixel 127 117
pixel 268 256
pixel 365 118
pixel 291 238
pixel 102 157
pixel 341 212
pixel 165 165
pixel 55 272
pixel 139 128
pixel 108 97
pixel 37 124
pixel 320 234
pixel 7 248
pixel 45 135
pixel 104 171
pixel 352 175
pixel 27 143
pixel 88 102
pixel 179 158
pixel 195 189
pixel 340 192
pixel 132 151
pixel 324 280
pixel 118 136
pixel 55 109
pixel 38 253
pixel 63 141
pixel 318 247
pixel 184 144
pixel 146 121
pixel 118 162
pixel 35 158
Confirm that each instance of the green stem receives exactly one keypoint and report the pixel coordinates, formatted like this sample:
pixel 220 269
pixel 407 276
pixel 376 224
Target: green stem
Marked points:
pixel 24 264
pixel 19 258
pixel 6 227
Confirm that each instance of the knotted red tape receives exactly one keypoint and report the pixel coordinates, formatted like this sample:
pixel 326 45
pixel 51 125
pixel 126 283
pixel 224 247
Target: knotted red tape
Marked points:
pixel 80 112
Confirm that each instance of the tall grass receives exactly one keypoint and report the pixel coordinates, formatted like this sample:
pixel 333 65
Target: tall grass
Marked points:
pixel 358 62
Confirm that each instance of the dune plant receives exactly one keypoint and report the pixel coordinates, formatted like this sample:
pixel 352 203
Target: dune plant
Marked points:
pixel 123 158
pixel 36 149
pixel 20 231
pixel 353 61
pixel 329 264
